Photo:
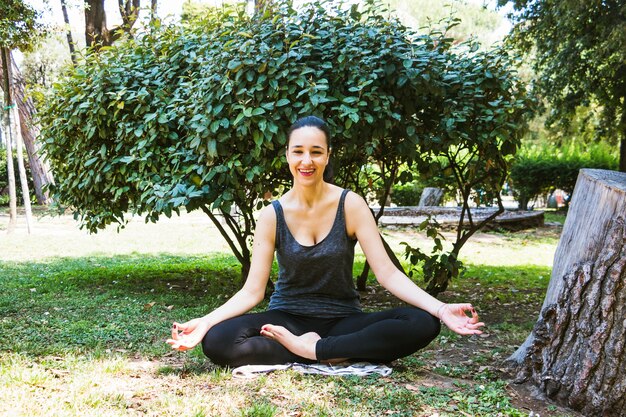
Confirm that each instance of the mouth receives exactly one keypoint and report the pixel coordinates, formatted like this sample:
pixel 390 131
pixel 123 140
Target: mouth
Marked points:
pixel 306 172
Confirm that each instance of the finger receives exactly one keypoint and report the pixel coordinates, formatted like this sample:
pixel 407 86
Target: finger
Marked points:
pixel 176 345
pixel 464 307
pixel 468 332
pixel 475 326
pixel 174 331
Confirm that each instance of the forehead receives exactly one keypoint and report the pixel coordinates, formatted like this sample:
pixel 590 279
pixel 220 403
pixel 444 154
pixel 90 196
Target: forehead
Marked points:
pixel 308 136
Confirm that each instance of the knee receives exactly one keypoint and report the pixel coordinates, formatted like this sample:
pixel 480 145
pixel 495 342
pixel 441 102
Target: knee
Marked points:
pixel 216 347
pixel 425 326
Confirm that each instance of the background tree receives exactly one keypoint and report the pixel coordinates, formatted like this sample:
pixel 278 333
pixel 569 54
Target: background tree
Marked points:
pixel 68 28
pixel 96 31
pixel 19 28
pixel 578 53
pixel 472 20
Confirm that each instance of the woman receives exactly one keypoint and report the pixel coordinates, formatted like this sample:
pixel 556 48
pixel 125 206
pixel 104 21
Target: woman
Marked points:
pixel 314 312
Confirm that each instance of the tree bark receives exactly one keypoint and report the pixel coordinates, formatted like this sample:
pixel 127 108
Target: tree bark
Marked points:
pixel 96 31
pixel 153 10
pixel 576 351
pixel 622 143
pixel 5 54
pixel 96 24
pixel 70 41
pixel 39 170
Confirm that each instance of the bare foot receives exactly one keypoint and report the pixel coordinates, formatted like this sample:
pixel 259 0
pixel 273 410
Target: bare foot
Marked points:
pixel 303 346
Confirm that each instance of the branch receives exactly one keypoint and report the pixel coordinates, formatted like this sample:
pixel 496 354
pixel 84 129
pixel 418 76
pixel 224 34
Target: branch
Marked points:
pixel 238 254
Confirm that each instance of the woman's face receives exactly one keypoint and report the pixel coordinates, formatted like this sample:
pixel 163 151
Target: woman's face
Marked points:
pixel 307 154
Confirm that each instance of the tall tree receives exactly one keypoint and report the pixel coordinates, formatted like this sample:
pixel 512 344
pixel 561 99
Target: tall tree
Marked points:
pixel 70 41
pixel 39 168
pixel 18 29
pixel 580 55
pixel 9 142
pixel 96 31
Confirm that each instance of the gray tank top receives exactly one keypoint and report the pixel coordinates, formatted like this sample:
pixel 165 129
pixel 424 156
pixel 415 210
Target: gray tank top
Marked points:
pixel 315 280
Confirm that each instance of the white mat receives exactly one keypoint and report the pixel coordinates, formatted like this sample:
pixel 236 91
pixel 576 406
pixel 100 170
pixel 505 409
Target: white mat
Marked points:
pixel 342 369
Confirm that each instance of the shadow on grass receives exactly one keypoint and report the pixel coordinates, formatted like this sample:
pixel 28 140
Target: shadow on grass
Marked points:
pixel 124 303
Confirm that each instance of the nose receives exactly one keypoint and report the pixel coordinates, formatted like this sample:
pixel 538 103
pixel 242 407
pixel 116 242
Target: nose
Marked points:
pixel 306 158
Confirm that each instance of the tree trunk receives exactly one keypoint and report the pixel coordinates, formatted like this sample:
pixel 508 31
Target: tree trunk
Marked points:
pixel 622 142
pixel 576 352
pixel 22 172
pixel 153 10
pixel 70 41
pixel 26 109
pixel 96 23
pixel 5 54
pixel 96 31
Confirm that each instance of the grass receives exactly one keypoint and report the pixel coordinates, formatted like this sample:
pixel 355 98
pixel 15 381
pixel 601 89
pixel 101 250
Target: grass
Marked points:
pixel 83 333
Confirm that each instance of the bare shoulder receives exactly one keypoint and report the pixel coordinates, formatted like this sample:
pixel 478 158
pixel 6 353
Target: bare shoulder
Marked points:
pixel 267 219
pixel 358 214
pixel 355 203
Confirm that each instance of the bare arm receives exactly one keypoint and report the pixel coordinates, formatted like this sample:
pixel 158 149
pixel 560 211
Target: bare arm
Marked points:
pixel 360 223
pixel 187 335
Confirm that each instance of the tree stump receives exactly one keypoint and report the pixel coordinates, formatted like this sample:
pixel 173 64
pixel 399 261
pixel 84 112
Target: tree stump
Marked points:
pixel 431 196
pixel 576 353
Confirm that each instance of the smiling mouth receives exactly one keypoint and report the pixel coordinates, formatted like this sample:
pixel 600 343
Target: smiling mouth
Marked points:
pixel 306 172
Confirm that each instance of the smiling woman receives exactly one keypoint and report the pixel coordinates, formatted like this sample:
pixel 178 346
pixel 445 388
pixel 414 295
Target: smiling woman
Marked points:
pixel 314 313
pixel 309 148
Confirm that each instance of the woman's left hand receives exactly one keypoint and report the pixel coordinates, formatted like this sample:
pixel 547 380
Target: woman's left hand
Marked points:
pixel 456 317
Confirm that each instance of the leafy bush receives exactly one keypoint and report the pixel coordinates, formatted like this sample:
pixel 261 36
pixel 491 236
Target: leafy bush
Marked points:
pixel 195 116
pixel 407 194
pixel 539 170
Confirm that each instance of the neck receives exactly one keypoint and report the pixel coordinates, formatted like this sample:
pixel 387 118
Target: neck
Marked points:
pixel 309 195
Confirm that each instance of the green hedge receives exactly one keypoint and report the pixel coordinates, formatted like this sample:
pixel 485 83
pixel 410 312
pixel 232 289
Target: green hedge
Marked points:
pixel 540 170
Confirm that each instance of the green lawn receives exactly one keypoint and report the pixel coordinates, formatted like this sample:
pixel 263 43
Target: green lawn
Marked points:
pixel 84 326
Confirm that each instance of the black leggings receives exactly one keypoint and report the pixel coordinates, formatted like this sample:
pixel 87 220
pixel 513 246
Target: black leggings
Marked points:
pixel 379 337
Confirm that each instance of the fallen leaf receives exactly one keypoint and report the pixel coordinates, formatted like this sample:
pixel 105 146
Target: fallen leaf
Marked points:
pixel 148 306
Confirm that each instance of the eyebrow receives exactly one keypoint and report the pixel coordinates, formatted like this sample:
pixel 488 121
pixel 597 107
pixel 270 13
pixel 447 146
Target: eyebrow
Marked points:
pixel 302 146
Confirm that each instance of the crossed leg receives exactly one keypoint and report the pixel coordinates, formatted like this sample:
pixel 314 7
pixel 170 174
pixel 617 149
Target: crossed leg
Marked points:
pixel 303 345
pixel 275 337
pixel 378 337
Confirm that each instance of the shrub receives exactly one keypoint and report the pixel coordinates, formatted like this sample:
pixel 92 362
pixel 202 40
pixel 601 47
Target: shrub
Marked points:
pixel 541 169
pixel 195 116
pixel 407 194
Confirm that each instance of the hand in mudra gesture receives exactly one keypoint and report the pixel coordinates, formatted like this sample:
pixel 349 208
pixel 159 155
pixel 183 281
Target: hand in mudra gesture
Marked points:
pixel 460 318
pixel 187 335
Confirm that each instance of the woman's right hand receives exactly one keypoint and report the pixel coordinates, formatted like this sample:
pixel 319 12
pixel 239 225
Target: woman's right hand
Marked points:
pixel 187 335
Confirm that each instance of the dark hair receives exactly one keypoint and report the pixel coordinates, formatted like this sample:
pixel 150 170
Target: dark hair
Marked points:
pixel 311 121
pixel 314 121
